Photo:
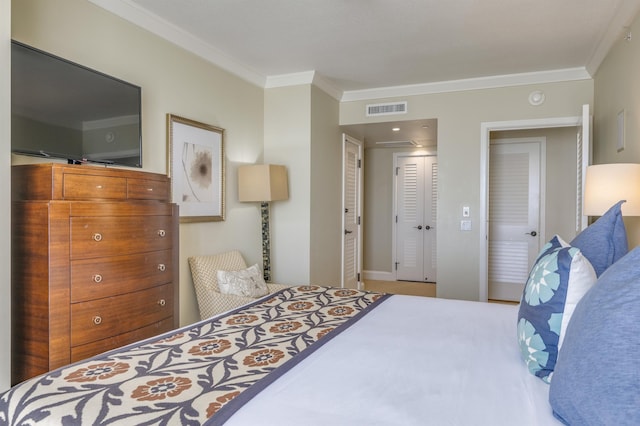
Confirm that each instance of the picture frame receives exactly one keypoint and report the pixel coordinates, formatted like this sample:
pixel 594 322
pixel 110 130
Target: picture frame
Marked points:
pixel 196 166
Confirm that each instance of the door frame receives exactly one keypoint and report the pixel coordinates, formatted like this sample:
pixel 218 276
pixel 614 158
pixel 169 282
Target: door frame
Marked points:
pixel 349 139
pixel 421 153
pixel 485 135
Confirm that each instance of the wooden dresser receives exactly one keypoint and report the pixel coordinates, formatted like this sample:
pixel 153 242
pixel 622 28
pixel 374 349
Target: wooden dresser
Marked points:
pixel 94 262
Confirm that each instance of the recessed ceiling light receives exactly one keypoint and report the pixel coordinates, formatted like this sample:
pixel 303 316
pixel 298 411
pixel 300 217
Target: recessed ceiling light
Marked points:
pixel 425 126
pixel 396 129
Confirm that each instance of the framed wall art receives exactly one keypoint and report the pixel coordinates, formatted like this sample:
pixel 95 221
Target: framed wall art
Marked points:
pixel 196 167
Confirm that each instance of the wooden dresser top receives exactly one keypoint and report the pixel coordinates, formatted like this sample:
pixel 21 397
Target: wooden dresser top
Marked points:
pixel 54 181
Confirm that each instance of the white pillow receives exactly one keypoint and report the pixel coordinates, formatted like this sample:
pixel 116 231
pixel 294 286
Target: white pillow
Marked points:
pixel 245 282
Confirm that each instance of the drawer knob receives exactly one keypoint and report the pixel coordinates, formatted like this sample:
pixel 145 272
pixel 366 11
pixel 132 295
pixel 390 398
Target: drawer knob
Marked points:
pixel 150 189
pixel 97 237
pixel 162 302
pixel 98 186
pixel 97 278
pixel 97 320
pixel 162 267
pixel 162 233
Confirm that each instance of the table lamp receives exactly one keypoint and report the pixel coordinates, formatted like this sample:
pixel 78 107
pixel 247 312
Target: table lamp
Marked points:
pixel 606 184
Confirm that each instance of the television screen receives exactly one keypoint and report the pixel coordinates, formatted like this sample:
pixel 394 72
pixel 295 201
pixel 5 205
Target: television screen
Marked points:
pixel 64 110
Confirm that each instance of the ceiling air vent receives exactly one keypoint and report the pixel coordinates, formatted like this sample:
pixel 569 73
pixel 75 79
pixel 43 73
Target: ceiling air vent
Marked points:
pixel 397 144
pixel 386 109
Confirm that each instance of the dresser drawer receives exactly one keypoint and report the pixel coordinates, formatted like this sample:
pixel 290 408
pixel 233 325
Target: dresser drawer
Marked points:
pixel 97 278
pixel 99 346
pixel 142 189
pixel 113 236
pixel 77 186
pixel 101 318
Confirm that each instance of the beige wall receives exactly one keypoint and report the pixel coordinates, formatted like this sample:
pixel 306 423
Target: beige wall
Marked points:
pixel 617 88
pixel 173 81
pixel 326 190
pixel 301 132
pixel 460 115
pixel 287 141
pixel 5 196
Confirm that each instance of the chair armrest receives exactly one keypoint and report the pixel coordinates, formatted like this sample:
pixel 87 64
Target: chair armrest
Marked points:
pixel 225 302
pixel 276 287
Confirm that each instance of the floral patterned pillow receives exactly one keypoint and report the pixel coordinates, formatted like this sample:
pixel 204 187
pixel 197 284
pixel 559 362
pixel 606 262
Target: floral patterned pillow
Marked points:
pixel 557 282
pixel 246 282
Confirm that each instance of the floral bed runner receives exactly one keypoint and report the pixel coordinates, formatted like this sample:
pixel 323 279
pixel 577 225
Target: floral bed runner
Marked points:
pixel 200 374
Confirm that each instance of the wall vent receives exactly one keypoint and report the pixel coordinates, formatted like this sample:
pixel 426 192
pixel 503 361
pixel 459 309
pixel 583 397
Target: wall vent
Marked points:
pixel 397 144
pixel 386 109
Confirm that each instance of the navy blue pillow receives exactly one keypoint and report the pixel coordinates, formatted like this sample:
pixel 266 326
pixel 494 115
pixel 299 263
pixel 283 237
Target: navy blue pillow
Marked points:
pixel 558 280
pixel 597 377
pixel 604 241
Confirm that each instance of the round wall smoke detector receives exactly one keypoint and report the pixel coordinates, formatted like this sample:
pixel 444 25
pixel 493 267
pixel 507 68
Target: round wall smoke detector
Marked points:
pixel 536 97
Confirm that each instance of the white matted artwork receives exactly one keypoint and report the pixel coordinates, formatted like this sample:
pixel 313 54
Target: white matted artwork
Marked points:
pixel 196 168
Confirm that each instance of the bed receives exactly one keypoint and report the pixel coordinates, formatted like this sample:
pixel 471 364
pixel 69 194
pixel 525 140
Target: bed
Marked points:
pixel 311 355
pixel 352 357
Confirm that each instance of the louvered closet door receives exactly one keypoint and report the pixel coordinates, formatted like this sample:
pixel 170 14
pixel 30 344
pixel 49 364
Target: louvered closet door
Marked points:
pixel 416 218
pixel 514 204
pixel 351 192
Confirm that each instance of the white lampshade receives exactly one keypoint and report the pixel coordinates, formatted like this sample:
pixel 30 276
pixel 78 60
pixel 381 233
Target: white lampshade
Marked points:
pixel 262 182
pixel 606 184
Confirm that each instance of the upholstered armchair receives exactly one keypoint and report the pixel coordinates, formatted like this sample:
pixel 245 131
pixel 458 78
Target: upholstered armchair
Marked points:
pixel 204 270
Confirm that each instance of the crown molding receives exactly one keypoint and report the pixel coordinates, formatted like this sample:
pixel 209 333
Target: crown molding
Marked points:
pixel 491 82
pixel 293 79
pixel 133 13
pixel 622 18
pixel 304 77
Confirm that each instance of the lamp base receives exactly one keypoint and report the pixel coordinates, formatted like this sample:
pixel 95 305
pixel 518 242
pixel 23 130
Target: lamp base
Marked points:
pixel 266 242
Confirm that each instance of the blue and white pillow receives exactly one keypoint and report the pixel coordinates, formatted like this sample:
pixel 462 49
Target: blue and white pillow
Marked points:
pixel 597 378
pixel 559 278
pixel 604 241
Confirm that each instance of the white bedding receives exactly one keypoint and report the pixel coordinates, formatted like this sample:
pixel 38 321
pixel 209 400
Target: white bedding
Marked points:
pixel 411 361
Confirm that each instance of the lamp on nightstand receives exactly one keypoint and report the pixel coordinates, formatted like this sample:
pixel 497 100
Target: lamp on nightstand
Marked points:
pixel 606 184
pixel 263 183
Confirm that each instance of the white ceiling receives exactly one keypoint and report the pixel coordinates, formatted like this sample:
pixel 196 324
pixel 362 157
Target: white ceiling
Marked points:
pixel 364 49
pixel 366 44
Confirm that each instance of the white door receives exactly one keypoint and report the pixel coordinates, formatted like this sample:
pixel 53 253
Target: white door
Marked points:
pixel 514 215
pixel 416 202
pixel 352 216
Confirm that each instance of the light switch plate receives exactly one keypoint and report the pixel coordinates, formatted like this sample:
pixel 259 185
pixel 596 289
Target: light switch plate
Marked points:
pixel 465 225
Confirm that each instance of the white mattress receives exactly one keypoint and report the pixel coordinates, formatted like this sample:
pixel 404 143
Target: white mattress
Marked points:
pixel 411 361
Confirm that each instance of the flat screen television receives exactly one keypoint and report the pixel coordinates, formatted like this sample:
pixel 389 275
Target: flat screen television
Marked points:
pixel 61 109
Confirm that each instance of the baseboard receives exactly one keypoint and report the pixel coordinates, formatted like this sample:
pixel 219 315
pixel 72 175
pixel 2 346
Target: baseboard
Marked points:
pixel 379 275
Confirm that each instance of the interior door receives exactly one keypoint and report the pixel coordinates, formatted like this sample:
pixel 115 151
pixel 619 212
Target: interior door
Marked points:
pixel 352 216
pixel 514 216
pixel 416 203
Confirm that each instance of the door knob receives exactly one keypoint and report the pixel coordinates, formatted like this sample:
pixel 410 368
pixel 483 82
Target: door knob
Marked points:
pixel 427 227
pixel 418 227
pixel 347 232
pixel 532 233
